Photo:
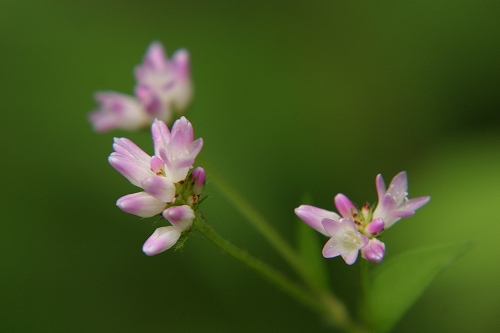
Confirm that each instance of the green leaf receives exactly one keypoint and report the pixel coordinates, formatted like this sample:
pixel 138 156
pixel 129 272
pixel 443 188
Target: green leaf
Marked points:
pixel 398 282
pixel 310 254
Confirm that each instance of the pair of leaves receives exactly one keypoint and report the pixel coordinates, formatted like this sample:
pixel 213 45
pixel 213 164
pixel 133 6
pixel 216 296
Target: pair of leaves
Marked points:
pixel 395 284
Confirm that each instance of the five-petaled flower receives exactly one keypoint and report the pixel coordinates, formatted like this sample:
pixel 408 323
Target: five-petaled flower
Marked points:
pixel 163 179
pixel 164 89
pixel 357 229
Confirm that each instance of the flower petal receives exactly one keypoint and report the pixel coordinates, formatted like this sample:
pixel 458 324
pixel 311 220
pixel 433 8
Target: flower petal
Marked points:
pixel 313 216
pixel 345 207
pixel 415 203
pixel 130 168
pixel 117 111
pixel 161 135
pixel 331 249
pixel 399 187
pixel 380 184
pixel 162 239
pixel 385 209
pixel 140 204
pixel 159 187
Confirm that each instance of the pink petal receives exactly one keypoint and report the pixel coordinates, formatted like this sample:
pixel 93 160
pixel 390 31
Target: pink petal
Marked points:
pixel 380 184
pixel 350 256
pixel 162 239
pixel 140 204
pixel 159 187
pixel 130 168
pixel 399 187
pixel 313 216
pixel 332 227
pixel 126 147
pixel 331 249
pixel 161 135
pixel 344 205
pixel 415 203
pixel 117 111
pixel 182 134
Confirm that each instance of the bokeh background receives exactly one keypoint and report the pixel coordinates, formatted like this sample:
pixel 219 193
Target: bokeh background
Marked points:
pixel 291 98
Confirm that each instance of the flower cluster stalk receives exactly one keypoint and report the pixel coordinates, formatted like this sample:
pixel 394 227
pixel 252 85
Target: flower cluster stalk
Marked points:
pixel 326 305
pixel 332 307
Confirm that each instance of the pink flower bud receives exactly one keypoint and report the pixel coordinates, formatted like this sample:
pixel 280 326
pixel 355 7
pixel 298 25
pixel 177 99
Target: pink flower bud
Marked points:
pixel 162 239
pixel 374 251
pixel 140 204
pixel 181 217
pixel 199 178
pixel 375 226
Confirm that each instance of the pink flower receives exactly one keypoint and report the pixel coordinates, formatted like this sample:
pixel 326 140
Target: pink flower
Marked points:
pixel 358 228
pixel 163 86
pixel 163 83
pixel 393 203
pixel 174 156
pixel 118 111
pixel 345 239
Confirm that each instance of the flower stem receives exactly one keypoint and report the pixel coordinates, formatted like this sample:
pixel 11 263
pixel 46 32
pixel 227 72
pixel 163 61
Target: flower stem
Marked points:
pixel 364 272
pixel 326 305
pixel 259 222
pixel 321 300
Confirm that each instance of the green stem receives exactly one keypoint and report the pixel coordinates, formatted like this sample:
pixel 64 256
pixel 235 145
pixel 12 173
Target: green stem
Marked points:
pixel 364 272
pixel 326 306
pixel 330 305
pixel 260 223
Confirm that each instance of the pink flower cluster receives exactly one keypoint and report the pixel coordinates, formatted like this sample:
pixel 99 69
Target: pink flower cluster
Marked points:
pixel 163 88
pixel 357 229
pixel 168 188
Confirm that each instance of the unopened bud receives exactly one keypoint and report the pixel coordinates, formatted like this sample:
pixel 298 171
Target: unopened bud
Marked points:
pixel 181 217
pixel 199 178
pixel 375 226
pixel 374 251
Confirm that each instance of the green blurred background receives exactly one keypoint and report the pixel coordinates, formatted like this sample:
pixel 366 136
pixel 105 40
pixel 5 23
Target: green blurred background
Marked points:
pixel 290 97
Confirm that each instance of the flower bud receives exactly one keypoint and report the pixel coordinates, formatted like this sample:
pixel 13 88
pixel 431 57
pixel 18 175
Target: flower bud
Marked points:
pixel 181 217
pixel 375 226
pixel 374 251
pixel 199 178
pixel 162 239
pixel 140 204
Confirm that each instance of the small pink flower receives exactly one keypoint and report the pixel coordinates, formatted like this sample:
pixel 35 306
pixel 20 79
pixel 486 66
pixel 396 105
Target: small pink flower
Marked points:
pixel 174 156
pixel 393 203
pixel 118 111
pixel 345 239
pixel 163 83
pixel 177 149
pixel 163 86
pixel 358 229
